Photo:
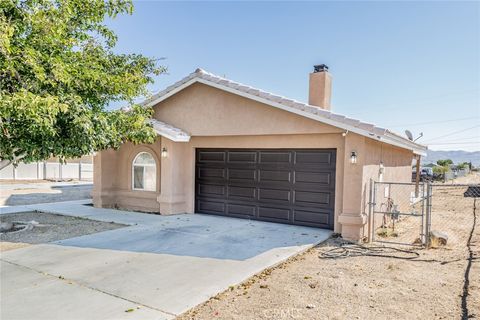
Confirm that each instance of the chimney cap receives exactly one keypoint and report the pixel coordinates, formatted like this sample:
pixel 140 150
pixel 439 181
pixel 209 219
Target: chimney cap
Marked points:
pixel 320 68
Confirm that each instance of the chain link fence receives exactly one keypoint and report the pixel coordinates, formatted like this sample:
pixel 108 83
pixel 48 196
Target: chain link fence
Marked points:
pixel 428 215
pixel 452 214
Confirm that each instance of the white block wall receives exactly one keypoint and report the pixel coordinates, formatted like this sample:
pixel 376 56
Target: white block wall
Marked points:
pixel 48 170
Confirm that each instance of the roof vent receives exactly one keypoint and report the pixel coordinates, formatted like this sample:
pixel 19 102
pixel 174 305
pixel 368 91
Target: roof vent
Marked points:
pixel 320 68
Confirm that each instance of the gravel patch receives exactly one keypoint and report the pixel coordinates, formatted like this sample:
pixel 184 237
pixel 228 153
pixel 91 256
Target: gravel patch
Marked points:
pixel 55 227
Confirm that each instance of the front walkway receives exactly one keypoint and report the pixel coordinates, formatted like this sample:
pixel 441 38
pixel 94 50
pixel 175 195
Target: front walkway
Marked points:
pixel 165 265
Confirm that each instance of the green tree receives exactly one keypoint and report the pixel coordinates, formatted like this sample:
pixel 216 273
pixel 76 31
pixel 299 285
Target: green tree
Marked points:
pixel 59 73
pixel 444 163
pixel 463 165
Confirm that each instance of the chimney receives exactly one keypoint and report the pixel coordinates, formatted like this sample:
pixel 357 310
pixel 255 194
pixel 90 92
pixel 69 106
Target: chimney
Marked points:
pixel 320 90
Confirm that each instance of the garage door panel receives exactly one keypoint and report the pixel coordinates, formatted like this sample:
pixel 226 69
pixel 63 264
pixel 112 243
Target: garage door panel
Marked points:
pixel 242 174
pixel 275 157
pixel 247 193
pixel 308 198
pixel 288 186
pixel 242 157
pixel 270 175
pixel 210 190
pixel 323 178
pixel 205 173
pixel 241 210
pixel 314 217
pixel 315 158
pixel 206 206
pixel 277 195
pixel 274 214
pixel 211 156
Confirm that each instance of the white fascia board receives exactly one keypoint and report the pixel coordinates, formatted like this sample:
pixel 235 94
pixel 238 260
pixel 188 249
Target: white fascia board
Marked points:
pixel 397 141
pixel 174 138
pixel 170 93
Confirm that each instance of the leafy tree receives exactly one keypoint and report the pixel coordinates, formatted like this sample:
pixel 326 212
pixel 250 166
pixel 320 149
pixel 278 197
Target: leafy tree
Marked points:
pixel 464 165
pixel 444 163
pixel 58 74
pixel 440 170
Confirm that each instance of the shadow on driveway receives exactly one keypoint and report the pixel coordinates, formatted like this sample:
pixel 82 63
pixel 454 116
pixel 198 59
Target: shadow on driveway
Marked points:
pixel 24 195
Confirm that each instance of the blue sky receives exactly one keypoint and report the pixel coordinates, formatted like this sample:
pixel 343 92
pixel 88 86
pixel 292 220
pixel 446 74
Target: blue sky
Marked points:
pixel 400 65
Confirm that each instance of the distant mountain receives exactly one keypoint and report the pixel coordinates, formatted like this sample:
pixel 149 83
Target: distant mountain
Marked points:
pixel 456 156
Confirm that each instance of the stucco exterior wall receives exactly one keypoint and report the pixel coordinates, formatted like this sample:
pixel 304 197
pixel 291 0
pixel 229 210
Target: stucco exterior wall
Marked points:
pixel 112 183
pixel 206 111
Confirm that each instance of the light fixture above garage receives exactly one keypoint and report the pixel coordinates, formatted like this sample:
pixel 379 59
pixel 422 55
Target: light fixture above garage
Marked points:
pixel 164 152
pixel 353 157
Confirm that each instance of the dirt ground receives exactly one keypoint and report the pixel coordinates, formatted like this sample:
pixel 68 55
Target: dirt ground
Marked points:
pixel 51 227
pixel 441 283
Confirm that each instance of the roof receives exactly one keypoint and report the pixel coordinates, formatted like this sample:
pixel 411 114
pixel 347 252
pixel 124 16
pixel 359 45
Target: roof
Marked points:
pixel 169 131
pixel 280 102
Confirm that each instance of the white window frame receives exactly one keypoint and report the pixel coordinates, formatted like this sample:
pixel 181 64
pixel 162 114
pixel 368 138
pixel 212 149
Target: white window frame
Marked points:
pixel 143 166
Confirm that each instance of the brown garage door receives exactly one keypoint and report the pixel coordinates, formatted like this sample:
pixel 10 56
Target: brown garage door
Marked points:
pixel 287 186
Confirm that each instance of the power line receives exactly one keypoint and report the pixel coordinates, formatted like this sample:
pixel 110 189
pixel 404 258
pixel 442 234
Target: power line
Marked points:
pixel 451 133
pixel 403 103
pixel 445 143
pixel 461 139
pixel 430 122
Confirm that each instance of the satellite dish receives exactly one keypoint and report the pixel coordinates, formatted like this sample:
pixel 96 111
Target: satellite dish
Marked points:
pixel 409 135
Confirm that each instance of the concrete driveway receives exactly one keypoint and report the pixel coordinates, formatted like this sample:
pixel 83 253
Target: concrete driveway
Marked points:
pixel 156 268
pixel 18 193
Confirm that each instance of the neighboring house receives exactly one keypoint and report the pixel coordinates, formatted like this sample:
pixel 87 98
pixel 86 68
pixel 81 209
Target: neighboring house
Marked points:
pixel 228 149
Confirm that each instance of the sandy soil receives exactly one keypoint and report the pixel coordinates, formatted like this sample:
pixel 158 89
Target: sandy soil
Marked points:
pixel 473 177
pixel 5 246
pixel 404 286
pixel 51 227
pixel 10 181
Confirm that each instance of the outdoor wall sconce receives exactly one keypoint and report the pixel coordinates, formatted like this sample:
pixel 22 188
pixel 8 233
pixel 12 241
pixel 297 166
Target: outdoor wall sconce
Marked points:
pixel 164 152
pixel 382 168
pixel 353 157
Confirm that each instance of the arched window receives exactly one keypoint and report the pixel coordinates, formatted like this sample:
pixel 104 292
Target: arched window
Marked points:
pixel 144 172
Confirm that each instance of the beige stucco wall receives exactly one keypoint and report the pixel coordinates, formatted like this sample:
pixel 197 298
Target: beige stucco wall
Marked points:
pixel 112 182
pixel 206 111
pixel 217 119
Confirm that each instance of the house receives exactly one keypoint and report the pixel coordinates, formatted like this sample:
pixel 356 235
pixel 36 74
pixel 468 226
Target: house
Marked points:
pixel 228 149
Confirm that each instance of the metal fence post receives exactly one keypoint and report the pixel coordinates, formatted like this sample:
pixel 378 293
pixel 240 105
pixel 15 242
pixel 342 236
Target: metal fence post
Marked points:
pixel 374 200
pixel 429 214
pixel 370 211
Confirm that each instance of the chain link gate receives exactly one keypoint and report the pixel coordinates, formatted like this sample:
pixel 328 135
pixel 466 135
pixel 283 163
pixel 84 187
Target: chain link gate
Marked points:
pixel 399 213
